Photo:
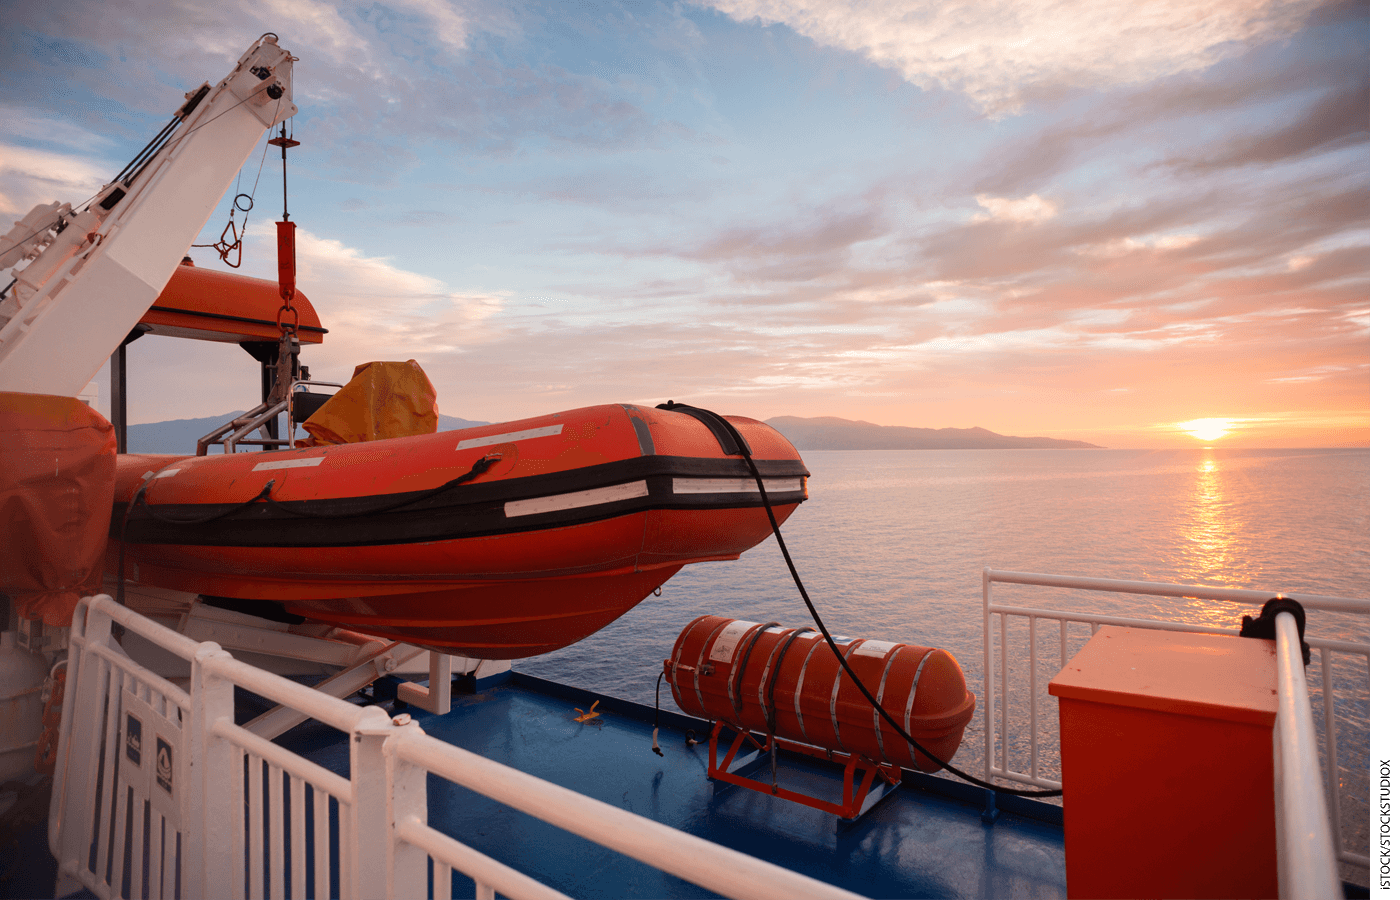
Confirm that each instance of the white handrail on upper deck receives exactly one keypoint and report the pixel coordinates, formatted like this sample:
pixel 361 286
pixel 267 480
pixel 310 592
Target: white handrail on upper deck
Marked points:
pixel 1307 861
pixel 216 810
pixel 996 702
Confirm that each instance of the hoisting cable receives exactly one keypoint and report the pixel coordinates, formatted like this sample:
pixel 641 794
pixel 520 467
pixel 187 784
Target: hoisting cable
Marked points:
pixel 816 618
pixel 223 246
pixel 289 352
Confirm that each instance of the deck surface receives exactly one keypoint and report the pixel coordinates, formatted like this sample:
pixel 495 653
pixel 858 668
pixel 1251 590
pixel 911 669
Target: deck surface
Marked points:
pixel 916 843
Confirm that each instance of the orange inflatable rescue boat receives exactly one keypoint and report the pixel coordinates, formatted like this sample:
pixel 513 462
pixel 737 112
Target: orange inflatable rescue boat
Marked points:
pixel 500 542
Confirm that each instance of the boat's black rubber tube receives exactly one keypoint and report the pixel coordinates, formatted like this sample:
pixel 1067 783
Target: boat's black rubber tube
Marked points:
pixel 461 508
pixel 811 608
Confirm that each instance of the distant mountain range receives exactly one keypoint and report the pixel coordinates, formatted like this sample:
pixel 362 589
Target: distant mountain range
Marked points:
pixel 831 433
pixel 181 435
pixel 825 433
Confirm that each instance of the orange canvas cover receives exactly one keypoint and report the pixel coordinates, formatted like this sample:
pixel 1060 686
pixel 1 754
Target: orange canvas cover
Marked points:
pixel 57 476
pixel 382 400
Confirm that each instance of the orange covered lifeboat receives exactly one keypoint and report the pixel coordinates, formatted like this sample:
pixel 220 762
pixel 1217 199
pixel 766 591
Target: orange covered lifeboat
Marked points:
pixel 500 542
pixel 788 682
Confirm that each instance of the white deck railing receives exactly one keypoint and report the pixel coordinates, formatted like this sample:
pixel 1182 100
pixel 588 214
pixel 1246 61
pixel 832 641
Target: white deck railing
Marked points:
pixel 998 686
pixel 158 792
pixel 1307 858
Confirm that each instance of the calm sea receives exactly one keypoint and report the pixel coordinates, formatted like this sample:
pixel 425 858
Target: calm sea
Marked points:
pixel 892 544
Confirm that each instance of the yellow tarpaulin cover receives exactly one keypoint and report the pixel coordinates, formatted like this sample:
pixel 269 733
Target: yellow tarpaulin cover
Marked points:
pixel 383 400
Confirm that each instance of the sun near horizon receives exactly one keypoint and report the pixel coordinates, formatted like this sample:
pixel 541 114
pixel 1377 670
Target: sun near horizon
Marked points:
pixel 1207 429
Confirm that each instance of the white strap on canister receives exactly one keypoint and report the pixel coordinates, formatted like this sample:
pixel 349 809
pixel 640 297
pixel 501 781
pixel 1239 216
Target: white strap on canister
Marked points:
pixel 909 706
pixel 797 693
pixel 880 699
pixel 836 689
pixel 705 646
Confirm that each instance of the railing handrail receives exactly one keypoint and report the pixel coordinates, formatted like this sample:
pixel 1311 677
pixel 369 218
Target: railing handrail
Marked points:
pixel 1160 625
pixel 386 779
pixel 1307 861
pixel 1163 589
pixel 1325 646
pixel 720 869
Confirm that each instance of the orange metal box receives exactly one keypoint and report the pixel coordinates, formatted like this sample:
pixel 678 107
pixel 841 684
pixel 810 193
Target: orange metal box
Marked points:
pixel 1167 756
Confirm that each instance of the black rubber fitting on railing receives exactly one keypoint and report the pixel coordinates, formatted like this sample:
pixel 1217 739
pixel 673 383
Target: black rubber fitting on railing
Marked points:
pixel 1263 626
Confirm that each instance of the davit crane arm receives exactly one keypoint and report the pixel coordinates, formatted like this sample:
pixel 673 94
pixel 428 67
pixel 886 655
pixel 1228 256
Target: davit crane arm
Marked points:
pixel 93 273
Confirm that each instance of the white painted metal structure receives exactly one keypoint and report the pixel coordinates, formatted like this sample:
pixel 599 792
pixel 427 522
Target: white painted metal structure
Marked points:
pixel 1293 730
pixel 159 793
pixel 87 285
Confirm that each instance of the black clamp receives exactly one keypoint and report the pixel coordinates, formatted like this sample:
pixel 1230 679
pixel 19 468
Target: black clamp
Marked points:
pixel 1263 626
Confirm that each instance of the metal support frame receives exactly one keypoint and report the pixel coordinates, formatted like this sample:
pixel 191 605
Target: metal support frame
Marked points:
pixel 856 800
pixel 117 408
pixel 436 698
pixel 234 433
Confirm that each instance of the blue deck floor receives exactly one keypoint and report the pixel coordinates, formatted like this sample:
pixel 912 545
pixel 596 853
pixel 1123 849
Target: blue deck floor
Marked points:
pixel 916 843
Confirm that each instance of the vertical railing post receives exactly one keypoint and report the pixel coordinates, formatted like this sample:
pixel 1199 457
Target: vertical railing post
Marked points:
pixel 409 783
pixel 1307 861
pixel 371 808
pixel 1035 705
pixel 987 673
pixel 213 841
pixel 77 737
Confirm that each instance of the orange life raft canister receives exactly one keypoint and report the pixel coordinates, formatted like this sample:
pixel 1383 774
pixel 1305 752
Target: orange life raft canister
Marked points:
pixel 768 678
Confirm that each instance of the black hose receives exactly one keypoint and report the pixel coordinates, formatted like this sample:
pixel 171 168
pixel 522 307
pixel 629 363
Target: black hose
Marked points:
pixel 811 608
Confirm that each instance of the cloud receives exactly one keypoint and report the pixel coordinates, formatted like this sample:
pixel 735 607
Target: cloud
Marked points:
pixel 449 24
pixel 1339 119
pixel 375 309
pixel 1028 209
pixel 29 176
pixel 525 199
pixel 999 51
pixel 819 245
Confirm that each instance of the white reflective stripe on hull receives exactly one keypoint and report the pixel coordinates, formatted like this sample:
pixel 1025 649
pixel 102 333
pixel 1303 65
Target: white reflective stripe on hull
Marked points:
pixel 492 439
pixel 734 485
pixel 577 499
pixel 289 463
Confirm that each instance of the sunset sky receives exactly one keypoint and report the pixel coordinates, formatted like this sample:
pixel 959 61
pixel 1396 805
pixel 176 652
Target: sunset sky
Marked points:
pixel 1089 219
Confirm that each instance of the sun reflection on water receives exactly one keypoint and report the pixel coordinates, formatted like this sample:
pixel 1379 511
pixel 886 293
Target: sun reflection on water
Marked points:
pixel 1210 541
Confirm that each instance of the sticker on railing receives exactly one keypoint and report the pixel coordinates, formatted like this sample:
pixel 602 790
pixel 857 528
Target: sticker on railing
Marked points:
pixel 165 765
pixel 133 739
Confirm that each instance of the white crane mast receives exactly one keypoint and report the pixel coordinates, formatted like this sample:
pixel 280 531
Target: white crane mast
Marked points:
pixel 93 273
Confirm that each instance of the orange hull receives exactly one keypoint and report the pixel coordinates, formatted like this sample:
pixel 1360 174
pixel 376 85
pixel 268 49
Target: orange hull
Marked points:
pixel 570 521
